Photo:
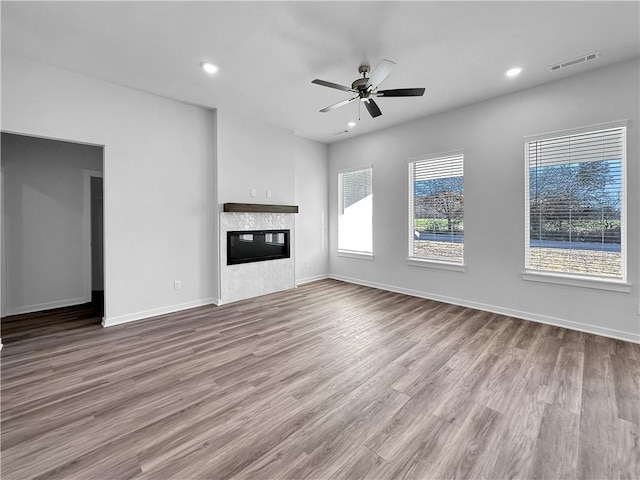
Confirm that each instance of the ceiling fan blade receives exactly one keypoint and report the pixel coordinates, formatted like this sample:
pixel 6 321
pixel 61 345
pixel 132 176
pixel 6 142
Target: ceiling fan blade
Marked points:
pixel 379 74
pixel 372 108
pixel 339 104
pixel 333 85
pixel 402 92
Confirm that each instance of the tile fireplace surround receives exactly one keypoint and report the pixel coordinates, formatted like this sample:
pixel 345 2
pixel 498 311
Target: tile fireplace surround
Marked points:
pixel 248 280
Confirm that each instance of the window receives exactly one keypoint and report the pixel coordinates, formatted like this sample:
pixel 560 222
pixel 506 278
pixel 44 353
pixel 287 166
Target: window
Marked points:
pixel 575 203
pixel 436 208
pixel 355 215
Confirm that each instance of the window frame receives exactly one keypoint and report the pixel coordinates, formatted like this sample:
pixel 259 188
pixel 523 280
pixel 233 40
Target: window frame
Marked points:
pixel 570 278
pixel 411 259
pixel 353 253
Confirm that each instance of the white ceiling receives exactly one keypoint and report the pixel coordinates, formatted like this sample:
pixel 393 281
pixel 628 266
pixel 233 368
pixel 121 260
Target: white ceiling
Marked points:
pixel 269 52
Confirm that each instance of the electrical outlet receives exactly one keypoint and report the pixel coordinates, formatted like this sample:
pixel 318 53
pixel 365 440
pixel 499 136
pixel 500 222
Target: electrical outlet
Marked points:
pixel 177 285
pixel 268 193
pixel 253 192
pixel 306 264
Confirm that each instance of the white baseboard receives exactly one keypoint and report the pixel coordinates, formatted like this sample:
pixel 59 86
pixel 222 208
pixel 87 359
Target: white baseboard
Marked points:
pixel 39 307
pixel 315 278
pixel 132 317
pixel 534 317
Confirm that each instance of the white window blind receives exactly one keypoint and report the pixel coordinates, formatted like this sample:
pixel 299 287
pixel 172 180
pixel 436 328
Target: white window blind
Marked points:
pixel 575 205
pixel 436 209
pixel 355 215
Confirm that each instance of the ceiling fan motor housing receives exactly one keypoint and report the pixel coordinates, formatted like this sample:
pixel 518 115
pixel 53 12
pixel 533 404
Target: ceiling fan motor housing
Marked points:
pixel 359 84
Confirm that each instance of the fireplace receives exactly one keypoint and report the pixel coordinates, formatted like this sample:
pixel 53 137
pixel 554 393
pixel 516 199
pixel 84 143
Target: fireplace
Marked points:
pixel 246 246
pixel 254 278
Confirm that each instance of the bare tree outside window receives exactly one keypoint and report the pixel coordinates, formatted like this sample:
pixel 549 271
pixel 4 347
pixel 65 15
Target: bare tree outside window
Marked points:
pixel 437 207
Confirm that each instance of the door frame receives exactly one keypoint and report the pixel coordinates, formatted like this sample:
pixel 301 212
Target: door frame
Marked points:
pixel 3 249
pixel 3 246
pixel 86 230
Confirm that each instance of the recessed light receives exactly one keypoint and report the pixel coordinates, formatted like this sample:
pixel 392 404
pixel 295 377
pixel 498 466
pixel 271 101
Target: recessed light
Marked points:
pixel 351 124
pixel 209 67
pixel 513 72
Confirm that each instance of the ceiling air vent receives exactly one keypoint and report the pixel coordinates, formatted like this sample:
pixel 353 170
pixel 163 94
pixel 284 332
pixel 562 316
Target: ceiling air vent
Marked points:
pixel 575 61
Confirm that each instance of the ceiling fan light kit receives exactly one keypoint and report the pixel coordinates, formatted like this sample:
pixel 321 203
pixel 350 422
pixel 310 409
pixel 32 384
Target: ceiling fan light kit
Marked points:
pixel 366 88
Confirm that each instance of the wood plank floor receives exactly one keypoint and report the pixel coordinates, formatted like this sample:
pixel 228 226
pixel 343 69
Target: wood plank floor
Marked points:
pixel 330 380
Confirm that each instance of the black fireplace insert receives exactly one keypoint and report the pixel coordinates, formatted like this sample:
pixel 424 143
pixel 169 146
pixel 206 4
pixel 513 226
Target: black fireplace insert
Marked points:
pixel 257 246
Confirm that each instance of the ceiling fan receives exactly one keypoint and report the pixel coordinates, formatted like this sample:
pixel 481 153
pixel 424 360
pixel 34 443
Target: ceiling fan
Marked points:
pixel 366 88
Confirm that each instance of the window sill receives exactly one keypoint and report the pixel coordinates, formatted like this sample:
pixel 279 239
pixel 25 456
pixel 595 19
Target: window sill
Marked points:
pixel 576 281
pixel 358 255
pixel 419 262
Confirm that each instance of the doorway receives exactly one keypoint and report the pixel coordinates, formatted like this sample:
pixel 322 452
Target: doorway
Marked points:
pixel 52 213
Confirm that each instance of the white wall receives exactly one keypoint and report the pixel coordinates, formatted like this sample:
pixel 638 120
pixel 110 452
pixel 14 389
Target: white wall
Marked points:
pixel 159 181
pixel 312 223
pixel 44 222
pixel 254 155
pixel 491 135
